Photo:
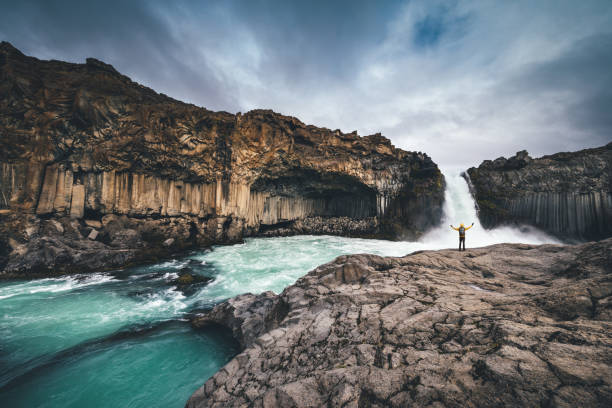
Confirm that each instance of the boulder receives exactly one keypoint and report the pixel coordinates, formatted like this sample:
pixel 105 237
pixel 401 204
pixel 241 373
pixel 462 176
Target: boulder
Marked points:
pixel 127 238
pixel 57 225
pixel 93 223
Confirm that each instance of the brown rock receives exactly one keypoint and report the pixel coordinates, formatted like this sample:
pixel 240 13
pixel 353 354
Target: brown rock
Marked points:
pixel 82 139
pixel 93 223
pixel 77 205
pixel 57 225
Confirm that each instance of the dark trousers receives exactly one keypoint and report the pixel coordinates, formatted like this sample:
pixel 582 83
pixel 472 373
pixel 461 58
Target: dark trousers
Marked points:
pixel 462 241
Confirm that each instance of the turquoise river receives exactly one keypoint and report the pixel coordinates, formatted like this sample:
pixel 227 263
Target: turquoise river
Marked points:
pixel 123 338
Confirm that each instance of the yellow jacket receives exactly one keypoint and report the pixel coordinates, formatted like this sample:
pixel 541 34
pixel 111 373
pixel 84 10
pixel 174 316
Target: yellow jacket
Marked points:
pixel 461 225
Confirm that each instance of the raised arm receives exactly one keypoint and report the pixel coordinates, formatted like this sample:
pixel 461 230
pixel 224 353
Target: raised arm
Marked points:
pixel 456 229
pixel 469 227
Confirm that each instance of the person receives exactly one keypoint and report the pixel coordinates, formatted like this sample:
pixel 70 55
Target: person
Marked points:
pixel 462 230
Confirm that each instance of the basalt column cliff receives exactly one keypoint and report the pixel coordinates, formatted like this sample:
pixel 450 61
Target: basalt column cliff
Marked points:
pixel 98 171
pixel 567 194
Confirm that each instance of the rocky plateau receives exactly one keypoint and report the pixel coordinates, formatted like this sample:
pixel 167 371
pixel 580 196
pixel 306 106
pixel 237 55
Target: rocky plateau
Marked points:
pixel 501 326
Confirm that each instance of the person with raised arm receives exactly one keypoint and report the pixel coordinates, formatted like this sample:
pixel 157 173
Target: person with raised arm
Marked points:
pixel 462 230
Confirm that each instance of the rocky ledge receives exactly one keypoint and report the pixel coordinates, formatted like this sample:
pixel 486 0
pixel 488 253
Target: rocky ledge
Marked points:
pixel 505 325
pixel 85 148
pixel 566 194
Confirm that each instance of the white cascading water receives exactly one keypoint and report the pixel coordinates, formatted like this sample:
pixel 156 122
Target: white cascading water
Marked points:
pixel 459 207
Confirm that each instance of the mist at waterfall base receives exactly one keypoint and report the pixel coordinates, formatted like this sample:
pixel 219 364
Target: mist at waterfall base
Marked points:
pixel 123 339
pixel 459 207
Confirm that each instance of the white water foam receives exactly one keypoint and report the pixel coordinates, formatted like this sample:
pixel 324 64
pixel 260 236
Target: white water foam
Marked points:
pixel 174 264
pixel 169 300
pixel 54 285
pixel 170 276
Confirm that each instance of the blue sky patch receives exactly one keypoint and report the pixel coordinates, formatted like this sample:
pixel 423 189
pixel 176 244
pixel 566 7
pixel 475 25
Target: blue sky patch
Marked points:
pixel 428 31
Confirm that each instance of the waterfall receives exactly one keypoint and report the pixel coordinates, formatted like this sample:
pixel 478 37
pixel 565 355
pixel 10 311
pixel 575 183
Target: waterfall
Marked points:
pixel 460 207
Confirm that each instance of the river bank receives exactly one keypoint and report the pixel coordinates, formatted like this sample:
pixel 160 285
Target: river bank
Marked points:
pixel 123 337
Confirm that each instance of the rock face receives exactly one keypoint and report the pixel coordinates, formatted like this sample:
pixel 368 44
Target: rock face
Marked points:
pixel 506 325
pixel 566 194
pixel 84 141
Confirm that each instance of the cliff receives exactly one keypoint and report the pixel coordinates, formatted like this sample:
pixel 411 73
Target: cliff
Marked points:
pixel 501 326
pixel 81 142
pixel 566 194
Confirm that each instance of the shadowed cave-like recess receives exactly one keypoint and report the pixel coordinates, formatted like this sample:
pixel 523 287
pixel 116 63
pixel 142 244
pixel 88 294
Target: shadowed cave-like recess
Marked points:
pixel 323 194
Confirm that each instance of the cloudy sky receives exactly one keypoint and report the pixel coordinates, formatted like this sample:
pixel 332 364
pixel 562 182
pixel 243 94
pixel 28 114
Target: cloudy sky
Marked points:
pixel 463 81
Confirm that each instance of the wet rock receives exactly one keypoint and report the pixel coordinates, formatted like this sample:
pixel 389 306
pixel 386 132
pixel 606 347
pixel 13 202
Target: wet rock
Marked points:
pixel 16 247
pixel 50 256
pixel 128 238
pixel 426 329
pixel 187 278
pixel 343 226
pixel 247 316
pixel 31 230
pixel 190 282
pixel 169 242
pixel 93 235
pixel 121 239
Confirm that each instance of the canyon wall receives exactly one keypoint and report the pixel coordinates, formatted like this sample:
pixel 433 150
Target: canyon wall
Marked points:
pixel 566 194
pixel 86 147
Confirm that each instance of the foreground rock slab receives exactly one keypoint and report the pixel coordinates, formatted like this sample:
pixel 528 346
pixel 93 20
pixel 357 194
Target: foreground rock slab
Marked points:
pixel 505 325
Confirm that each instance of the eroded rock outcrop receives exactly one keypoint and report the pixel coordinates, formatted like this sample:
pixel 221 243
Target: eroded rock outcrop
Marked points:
pixel 567 194
pixel 84 141
pixel 506 325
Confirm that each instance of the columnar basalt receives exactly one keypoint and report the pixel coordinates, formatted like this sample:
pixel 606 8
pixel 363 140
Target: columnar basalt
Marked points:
pixel 567 194
pixel 82 141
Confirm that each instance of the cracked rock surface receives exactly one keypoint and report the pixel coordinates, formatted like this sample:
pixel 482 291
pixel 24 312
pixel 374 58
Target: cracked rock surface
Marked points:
pixel 504 325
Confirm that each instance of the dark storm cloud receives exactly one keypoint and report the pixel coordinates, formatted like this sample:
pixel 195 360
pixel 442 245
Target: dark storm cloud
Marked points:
pixel 134 37
pixel 580 79
pixel 327 37
pixel 463 81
